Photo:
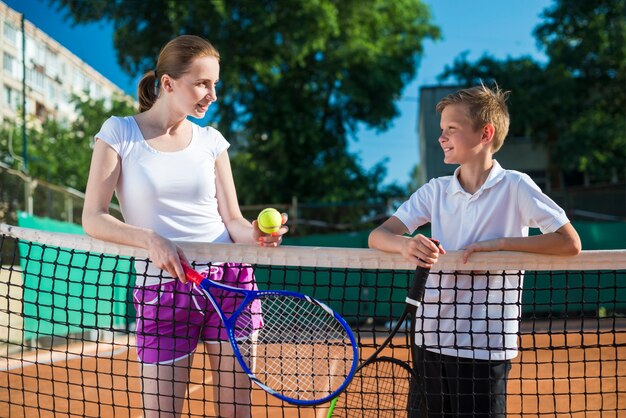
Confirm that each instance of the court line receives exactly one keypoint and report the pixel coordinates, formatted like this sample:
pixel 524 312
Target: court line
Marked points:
pixel 52 356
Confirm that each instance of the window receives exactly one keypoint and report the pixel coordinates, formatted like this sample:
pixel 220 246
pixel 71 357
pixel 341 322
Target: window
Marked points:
pixel 97 91
pixel 10 65
pixel 10 34
pixel 41 111
pixel 35 79
pixel 78 81
pixel 11 98
pixel 52 93
pixel 52 64
pixel 39 53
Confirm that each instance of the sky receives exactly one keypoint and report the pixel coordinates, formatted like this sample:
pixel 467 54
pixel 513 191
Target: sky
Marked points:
pixel 500 28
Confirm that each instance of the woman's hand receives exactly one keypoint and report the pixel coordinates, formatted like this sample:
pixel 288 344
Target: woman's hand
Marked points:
pixel 167 256
pixel 270 240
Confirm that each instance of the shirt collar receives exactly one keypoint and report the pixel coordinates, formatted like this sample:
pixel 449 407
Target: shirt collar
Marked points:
pixel 495 176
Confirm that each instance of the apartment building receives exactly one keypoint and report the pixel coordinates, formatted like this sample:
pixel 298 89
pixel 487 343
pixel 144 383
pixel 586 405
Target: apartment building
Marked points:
pixel 53 73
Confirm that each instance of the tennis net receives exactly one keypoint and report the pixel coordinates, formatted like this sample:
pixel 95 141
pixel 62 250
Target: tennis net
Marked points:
pixel 67 321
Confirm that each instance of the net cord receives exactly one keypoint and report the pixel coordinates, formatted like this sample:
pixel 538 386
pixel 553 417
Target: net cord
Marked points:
pixel 330 257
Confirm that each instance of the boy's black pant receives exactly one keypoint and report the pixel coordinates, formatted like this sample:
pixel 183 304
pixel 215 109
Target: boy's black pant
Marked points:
pixel 462 387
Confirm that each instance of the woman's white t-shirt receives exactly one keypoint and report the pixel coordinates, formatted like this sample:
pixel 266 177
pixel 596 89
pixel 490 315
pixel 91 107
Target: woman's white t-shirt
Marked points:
pixel 476 316
pixel 171 193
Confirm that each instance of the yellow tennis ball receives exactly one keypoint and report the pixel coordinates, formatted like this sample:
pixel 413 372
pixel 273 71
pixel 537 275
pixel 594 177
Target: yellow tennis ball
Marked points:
pixel 269 220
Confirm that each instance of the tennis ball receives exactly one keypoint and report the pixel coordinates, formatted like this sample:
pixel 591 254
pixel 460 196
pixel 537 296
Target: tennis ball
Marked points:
pixel 269 220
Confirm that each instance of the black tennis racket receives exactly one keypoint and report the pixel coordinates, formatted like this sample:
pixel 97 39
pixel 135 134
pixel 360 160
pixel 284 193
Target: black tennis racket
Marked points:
pixel 407 403
pixel 381 388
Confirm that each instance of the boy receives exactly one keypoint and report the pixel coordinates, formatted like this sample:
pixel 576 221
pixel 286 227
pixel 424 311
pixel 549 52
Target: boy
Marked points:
pixel 467 326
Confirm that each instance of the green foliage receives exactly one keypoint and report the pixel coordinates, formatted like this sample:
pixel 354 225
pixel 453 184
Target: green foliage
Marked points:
pixel 297 77
pixel 587 41
pixel 415 182
pixel 575 103
pixel 522 76
pixel 58 152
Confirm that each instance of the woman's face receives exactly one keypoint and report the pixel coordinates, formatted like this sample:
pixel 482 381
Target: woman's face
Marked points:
pixel 195 90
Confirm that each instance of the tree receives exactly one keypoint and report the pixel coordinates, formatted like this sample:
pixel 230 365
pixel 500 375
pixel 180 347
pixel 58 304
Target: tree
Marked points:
pixel 532 110
pixel 574 104
pixel 415 182
pixel 587 40
pixel 59 152
pixel 297 77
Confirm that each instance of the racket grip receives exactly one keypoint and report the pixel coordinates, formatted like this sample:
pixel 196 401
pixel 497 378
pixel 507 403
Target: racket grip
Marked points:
pixel 192 274
pixel 418 287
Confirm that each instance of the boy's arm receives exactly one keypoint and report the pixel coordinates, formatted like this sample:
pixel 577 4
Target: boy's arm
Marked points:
pixel 418 249
pixel 563 241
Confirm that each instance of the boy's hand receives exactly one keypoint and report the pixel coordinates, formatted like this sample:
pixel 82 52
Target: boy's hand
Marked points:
pixel 421 251
pixel 482 246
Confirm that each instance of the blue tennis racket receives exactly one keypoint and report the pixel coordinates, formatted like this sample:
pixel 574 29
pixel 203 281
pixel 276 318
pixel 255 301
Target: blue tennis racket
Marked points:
pixel 291 345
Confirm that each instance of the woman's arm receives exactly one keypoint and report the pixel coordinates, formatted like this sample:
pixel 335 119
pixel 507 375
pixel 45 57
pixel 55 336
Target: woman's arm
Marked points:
pixel 104 174
pixel 239 228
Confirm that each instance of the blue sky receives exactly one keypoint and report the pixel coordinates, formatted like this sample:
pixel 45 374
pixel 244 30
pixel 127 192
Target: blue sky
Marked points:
pixel 501 28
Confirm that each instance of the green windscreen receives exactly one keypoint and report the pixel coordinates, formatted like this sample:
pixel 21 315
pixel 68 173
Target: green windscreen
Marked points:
pixel 68 291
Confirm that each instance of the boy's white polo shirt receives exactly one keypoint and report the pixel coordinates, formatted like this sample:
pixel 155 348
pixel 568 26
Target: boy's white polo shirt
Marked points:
pixel 476 316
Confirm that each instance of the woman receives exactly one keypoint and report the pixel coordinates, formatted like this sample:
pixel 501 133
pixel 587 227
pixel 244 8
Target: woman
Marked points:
pixel 174 183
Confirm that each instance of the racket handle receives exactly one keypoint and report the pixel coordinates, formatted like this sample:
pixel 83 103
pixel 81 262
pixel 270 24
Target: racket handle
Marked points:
pixel 192 274
pixel 418 287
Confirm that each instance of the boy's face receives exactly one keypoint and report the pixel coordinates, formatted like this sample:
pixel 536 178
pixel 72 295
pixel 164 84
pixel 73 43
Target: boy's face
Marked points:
pixel 459 140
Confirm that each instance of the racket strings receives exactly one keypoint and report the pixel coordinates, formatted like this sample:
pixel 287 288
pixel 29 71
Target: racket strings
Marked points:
pixel 380 389
pixel 300 350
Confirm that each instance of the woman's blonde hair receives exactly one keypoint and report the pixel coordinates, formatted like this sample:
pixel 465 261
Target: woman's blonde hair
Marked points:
pixel 174 60
pixel 485 106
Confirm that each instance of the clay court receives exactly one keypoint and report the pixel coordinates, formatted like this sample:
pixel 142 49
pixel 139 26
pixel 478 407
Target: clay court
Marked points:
pixel 101 380
pixel 572 361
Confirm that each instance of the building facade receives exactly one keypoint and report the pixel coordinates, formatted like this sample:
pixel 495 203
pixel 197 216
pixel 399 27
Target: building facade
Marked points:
pixel 53 73
pixel 598 202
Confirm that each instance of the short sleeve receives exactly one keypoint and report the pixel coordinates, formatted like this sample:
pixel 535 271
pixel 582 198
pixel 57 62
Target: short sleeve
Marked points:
pixel 112 132
pixel 417 211
pixel 218 143
pixel 537 209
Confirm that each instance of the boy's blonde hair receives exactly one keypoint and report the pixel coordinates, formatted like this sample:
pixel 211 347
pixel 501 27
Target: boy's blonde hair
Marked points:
pixel 485 106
